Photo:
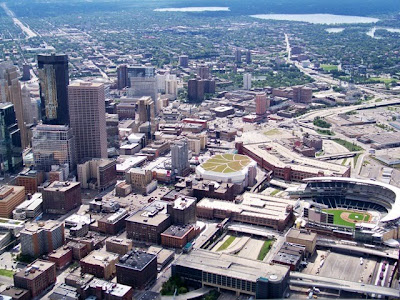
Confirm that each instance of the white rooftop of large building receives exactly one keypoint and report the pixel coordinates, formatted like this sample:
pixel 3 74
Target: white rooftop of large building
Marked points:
pixel 256 205
pixel 232 266
pixel 282 157
pixel 226 168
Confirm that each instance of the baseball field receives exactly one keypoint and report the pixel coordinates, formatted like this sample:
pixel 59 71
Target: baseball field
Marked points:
pixel 346 217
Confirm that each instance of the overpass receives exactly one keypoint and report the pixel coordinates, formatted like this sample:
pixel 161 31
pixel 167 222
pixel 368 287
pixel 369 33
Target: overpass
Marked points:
pixel 253 231
pixel 356 249
pixel 338 155
pixel 305 280
pixel 196 294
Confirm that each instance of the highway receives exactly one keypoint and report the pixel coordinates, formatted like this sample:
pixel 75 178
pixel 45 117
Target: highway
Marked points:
pixel 288 49
pixel 300 279
pixel 377 93
pixel 29 32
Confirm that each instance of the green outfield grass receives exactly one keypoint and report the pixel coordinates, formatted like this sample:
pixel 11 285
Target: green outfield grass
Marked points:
pixel 359 216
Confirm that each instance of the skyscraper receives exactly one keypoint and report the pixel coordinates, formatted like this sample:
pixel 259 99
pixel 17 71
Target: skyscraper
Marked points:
pixel 53 145
pixel 26 72
pixel 238 55
pixel 171 85
pixel 196 90
pixel 53 83
pixel 122 77
pixel 10 140
pixel 184 61
pixel 262 103
pixel 88 122
pixel 203 72
pixel 180 157
pixel 145 109
pixel 247 81
pixel 302 94
pixel 142 82
pixel 248 57
pixel 160 79
pixel 10 91
pixel 30 106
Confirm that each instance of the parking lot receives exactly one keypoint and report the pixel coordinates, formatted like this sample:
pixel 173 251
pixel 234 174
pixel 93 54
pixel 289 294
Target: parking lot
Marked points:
pixel 341 266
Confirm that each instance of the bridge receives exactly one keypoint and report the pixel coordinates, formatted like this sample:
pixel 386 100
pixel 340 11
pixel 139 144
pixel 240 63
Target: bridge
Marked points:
pixel 305 280
pixel 356 249
pixel 338 155
pixel 253 231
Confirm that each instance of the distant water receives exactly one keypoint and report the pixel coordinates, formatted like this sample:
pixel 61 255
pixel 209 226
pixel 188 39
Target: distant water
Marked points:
pixel 318 18
pixel 371 32
pixel 334 30
pixel 194 9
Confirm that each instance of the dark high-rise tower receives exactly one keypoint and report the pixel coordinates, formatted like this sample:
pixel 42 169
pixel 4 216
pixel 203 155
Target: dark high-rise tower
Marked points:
pixel 122 77
pixel 248 57
pixel 10 140
pixel 53 83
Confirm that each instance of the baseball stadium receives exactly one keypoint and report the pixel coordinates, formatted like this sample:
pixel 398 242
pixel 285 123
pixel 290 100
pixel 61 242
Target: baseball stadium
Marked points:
pixel 367 207
pixel 234 168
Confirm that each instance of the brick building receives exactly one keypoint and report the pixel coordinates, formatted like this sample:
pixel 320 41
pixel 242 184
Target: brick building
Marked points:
pixel 118 245
pixel 137 269
pixel 303 237
pixel 61 197
pixel 289 165
pixel 79 250
pixel 41 238
pixel 100 264
pixel 16 293
pixel 302 94
pixel 255 209
pixel 182 210
pixel 36 277
pixel 10 198
pixel 179 236
pixel 61 257
pixel 30 179
pixel 105 290
pixel 114 223
pixel 147 226
pixel 97 173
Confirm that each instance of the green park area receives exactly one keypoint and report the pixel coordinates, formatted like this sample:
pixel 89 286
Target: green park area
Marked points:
pixel 272 132
pixel 348 145
pixel 227 243
pixel 7 273
pixel 265 249
pixel 382 80
pixel 329 68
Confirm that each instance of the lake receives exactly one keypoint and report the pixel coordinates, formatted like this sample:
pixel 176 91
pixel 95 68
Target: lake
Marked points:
pixel 334 30
pixel 194 9
pixel 371 32
pixel 317 18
